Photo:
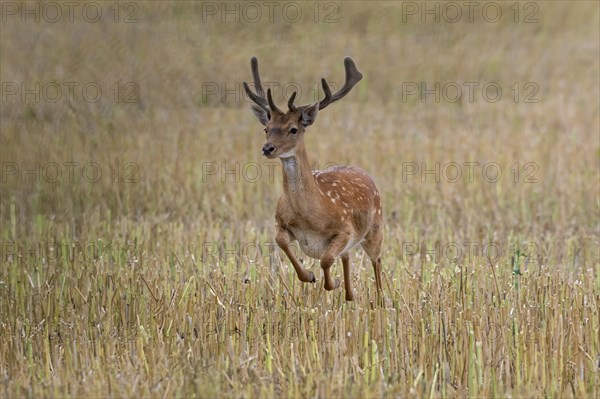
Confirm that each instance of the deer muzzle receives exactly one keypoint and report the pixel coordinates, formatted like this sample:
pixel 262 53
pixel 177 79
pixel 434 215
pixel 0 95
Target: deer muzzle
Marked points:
pixel 268 149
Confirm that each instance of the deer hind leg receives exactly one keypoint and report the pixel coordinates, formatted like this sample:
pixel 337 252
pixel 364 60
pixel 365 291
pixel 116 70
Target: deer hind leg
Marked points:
pixel 283 238
pixel 347 281
pixel 372 246
pixel 377 268
pixel 333 250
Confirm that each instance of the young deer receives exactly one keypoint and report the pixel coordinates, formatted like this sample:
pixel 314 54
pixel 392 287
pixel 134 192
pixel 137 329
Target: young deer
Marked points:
pixel 330 211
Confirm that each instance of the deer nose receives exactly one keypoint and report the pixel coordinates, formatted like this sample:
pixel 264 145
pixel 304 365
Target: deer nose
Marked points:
pixel 268 149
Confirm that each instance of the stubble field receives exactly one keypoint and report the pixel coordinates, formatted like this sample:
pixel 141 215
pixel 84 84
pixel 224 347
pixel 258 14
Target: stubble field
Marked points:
pixel 137 213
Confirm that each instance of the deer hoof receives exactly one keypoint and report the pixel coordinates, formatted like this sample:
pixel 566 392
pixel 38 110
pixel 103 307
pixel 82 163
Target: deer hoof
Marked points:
pixel 335 284
pixel 309 279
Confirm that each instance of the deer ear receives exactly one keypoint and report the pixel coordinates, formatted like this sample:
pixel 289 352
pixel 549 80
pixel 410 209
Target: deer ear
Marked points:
pixel 309 115
pixel 262 115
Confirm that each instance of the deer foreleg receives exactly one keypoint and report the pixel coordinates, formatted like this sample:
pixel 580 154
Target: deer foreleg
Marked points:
pixel 283 239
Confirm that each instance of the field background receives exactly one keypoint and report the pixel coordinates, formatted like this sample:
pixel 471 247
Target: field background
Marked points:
pixel 160 279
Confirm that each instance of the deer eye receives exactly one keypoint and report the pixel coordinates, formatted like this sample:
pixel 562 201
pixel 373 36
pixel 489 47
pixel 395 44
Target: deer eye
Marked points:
pixel 293 130
pixel 265 129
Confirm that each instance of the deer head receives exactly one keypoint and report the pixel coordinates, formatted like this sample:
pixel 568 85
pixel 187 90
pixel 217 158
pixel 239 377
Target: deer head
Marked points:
pixel 285 130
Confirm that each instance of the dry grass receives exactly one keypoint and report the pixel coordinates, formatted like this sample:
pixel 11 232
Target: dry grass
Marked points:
pixel 169 285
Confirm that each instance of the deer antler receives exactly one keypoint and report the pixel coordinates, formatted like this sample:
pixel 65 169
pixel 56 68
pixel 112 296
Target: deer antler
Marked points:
pixel 259 98
pixel 291 105
pixel 353 76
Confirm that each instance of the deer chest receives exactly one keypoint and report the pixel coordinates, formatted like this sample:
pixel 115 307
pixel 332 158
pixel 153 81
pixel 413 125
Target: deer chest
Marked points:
pixel 312 243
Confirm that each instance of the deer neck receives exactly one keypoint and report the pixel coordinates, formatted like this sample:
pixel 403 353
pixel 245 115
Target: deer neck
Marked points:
pixel 299 184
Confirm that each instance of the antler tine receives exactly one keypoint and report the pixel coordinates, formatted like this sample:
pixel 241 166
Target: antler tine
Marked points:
pixel 291 105
pixel 261 102
pixel 256 76
pixel 272 103
pixel 259 97
pixel 353 76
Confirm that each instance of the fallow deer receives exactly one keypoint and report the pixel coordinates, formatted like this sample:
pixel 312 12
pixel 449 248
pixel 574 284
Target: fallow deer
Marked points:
pixel 330 211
